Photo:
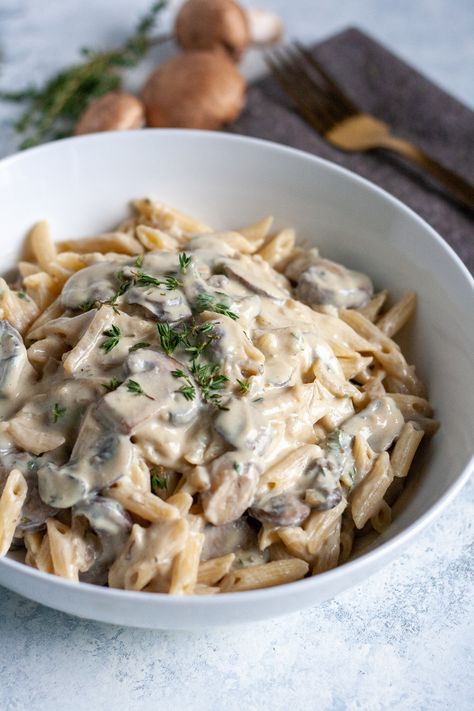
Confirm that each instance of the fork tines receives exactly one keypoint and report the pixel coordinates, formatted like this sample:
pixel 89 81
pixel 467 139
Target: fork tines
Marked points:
pixel 316 95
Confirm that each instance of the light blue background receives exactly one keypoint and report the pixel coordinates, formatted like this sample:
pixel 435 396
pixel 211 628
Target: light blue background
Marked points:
pixel 403 640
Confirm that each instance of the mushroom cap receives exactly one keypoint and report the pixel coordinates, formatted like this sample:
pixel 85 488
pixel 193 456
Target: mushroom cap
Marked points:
pixel 115 111
pixel 209 24
pixel 194 90
pixel 264 26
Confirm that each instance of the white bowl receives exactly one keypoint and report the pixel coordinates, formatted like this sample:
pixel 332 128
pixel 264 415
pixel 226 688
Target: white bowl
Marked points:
pixel 82 186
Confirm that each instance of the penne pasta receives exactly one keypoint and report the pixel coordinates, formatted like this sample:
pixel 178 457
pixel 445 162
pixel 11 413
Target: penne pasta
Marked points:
pixel 199 412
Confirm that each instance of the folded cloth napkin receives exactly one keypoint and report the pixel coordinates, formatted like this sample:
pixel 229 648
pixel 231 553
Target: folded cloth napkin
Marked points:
pixel 383 85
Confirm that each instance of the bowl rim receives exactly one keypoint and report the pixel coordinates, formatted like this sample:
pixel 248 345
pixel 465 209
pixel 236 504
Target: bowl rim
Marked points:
pixel 374 558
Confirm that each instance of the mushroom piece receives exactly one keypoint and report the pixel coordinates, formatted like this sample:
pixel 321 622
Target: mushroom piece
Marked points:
pixel 112 525
pixel 212 24
pixel 16 373
pixel 160 395
pixel 95 283
pixel 324 473
pixel 168 306
pixel 115 111
pixel 281 510
pixel 243 426
pixel 326 282
pixel 99 457
pixel 229 538
pixel 234 481
pixel 34 512
pixel 194 90
pixel 265 27
pixel 253 277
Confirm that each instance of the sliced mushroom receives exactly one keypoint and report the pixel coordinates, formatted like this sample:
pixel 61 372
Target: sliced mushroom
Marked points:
pixel 95 283
pixel 233 484
pixel 326 282
pixel 233 350
pixel 194 90
pixel 209 24
pixel 380 423
pixel 243 426
pixel 323 475
pixel 16 373
pixel 34 512
pixel 112 525
pixel 281 510
pixel 100 457
pixel 169 306
pixel 114 111
pixel 265 27
pixel 256 278
pixel 160 397
pixel 228 538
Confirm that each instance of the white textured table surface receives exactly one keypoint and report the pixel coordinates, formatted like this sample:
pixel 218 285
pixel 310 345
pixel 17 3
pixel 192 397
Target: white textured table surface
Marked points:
pixel 403 640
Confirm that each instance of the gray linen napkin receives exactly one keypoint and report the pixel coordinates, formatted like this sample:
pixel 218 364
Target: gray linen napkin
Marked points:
pixel 417 110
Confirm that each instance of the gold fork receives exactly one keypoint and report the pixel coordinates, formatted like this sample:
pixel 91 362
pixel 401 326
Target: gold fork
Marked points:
pixel 323 104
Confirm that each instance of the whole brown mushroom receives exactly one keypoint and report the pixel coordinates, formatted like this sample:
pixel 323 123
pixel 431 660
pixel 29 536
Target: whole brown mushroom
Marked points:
pixel 115 111
pixel 209 24
pixel 194 90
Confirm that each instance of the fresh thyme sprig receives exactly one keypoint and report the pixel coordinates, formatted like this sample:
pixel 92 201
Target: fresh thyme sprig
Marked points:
pixel 114 335
pixel 58 412
pixel 211 381
pixel 112 384
pixel 53 108
pixel 207 302
pixel 187 390
pixel 137 346
pixel 184 261
pixel 170 338
pixel 136 389
pixel 169 282
pixel 244 386
pixel 158 479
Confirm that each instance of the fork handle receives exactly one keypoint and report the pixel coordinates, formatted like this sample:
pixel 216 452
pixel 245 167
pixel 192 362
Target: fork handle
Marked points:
pixel 459 187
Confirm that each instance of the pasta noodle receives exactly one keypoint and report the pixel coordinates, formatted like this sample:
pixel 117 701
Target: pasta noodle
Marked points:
pixel 192 412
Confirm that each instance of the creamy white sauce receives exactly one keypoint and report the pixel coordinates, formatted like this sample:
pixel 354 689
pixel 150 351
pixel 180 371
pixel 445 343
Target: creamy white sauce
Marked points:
pixel 93 408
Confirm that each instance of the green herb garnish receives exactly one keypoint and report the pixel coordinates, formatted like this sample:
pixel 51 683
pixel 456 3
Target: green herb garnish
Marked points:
pixel 53 108
pixel 113 337
pixel 158 481
pixel 210 380
pixel 23 295
pixel 207 302
pixel 58 412
pixel 139 261
pixel 244 385
pixel 112 385
pixel 169 282
pixel 137 346
pixel 169 337
pixel 135 388
pixel 184 262
pixel 187 390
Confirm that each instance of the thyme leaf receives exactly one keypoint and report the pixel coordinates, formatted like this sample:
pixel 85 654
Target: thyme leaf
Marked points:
pixel 244 386
pixel 112 384
pixel 207 302
pixel 184 262
pixel 114 335
pixel 58 412
pixel 137 346
pixel 187 390
pixel 158 480
pixel 52 109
